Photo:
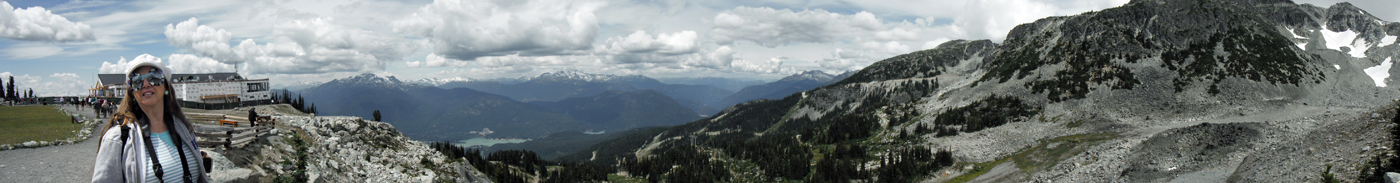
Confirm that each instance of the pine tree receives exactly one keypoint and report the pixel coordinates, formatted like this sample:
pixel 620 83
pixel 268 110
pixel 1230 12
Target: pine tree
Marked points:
pixel 10 90
pixel 301 103
pixel 376 115
pixel 3 96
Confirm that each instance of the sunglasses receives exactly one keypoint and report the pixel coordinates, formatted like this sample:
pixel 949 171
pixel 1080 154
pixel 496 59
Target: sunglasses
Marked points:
pixel 154 77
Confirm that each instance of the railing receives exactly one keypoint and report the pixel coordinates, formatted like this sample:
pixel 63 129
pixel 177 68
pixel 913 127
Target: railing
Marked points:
pixel 232 138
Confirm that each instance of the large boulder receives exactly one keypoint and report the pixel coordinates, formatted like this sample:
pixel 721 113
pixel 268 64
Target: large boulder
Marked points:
pixel 1392 177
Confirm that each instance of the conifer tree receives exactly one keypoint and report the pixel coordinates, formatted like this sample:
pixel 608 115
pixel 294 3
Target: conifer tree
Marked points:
pixel 10 90
pixel 376 115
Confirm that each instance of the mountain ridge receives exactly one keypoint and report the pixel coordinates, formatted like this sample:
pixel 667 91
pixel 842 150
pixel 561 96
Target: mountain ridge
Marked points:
pixel 1081 98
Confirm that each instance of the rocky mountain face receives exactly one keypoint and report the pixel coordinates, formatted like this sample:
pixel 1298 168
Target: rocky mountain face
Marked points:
pixel 1152 91
pixel 337 149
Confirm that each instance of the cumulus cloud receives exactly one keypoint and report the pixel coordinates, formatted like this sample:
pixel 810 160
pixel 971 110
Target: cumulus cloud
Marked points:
pixel 114 68
pixel 934 43
pixel 720 58
pixel 467 30
pixel 994 18
pixel 193 64
pixel 201 39
pixel 891 47
pixel 841 60
pixel 771 65
pixel 771 27
pixel 301 46
pixel 38 24
pixel 668 43
pixel 56 84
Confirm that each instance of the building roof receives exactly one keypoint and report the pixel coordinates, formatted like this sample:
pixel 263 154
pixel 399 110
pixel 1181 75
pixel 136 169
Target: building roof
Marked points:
pixel 120 79
pixel 227 76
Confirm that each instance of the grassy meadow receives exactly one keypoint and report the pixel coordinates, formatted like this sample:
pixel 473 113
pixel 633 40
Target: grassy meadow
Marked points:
pixel 34 123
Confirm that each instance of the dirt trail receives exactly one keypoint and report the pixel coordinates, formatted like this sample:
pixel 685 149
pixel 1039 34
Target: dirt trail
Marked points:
pixel 66 163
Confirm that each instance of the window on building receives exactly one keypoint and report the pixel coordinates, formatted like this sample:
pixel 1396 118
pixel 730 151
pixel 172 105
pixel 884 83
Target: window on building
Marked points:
pixel 257 87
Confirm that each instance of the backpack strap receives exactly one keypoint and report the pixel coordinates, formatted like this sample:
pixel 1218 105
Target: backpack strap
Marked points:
pixel 155 162
pixel 179 148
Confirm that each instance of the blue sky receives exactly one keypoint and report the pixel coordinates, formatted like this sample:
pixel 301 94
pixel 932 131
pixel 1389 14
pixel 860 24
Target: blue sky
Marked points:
pixel 57 47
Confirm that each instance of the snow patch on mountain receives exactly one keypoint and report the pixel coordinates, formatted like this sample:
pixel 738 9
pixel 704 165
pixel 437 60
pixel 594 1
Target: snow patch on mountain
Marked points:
pixel 1380 72
pixel 1337 40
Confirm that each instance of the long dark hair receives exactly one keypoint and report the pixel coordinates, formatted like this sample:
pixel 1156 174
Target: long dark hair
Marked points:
pixel 130 111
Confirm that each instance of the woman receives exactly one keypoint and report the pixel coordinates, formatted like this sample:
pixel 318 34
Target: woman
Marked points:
pixel 148 127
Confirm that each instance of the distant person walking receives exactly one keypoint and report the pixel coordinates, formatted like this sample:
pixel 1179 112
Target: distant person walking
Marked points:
pixel 148 139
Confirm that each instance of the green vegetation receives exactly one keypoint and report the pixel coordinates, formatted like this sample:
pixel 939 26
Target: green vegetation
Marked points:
pixel 1086 62
pixel 1051 152
pixel 376 115
pixel 1327 176
pixel 927 63
pixel 20 124
pixel 1039 157
pixel 778 155
pixel 991 112
pixel 977 170
pixel 683 163
pixel 298 174
pixel 1267 57
pixel 1384 163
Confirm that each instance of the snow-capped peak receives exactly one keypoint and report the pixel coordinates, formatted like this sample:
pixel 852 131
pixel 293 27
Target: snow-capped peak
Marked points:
pixel 815 75
pixel 574 75
pixel 439 81
pixel 369 79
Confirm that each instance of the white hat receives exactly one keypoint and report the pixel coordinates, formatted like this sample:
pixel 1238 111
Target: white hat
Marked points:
pixel 146 60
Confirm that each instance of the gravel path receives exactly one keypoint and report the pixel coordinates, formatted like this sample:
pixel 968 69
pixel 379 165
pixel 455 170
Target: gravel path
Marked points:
pixel 66 163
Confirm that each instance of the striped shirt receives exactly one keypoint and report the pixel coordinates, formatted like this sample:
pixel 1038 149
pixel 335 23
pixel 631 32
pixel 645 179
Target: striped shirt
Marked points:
pixel 165 151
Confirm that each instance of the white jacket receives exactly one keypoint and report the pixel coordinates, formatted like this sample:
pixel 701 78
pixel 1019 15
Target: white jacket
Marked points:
pixel 118 162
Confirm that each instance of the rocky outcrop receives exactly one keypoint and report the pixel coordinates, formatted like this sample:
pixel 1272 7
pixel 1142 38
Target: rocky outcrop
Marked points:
pixel 340 149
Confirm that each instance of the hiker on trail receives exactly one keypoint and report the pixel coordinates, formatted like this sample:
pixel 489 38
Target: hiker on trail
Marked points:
pixel 148 139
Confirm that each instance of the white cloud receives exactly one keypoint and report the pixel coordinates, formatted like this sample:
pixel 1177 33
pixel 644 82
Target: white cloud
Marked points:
pixel 841 60
pixel 771 65
pixel 113 68
pixel 38 24
pixel 301 46
pixel 201 39
pixel 192 64
pixel 771 28
pixel 891 47
pixel 25 51
pixel 934 43
pixel 467 30
pixel 994 18
pixel 668 43
pixel 721 58
pixel 56 84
